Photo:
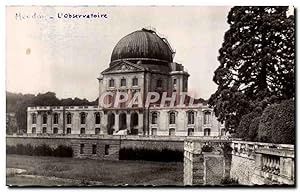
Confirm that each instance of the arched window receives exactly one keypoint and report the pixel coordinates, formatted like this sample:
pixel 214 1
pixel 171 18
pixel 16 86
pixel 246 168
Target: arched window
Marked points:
pixel 191 117
pixel 82 131
pixel 33 130
pixel 207 115
pixel 97 118
pixel 82 118
pixel 207 132
pixel 111 83
pixel 134 81
pixel 55 130
pixel 123 82
pixel 44 118
pixel 69 118
pixel 171 132
pixel 33 118
pixel 172 118
pixel 154 118
pixel 97 131
pixel 55 118
pixel 190 132
pixel 44 129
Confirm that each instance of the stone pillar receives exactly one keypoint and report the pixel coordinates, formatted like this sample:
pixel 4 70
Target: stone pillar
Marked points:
pixel 140 123
pixel 128 118
pixel 104 123
pixel 38 123
pixel 116 127
pixel 287 167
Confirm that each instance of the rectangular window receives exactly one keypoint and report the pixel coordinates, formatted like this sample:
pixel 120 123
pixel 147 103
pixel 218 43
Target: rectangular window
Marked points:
pixel 106 151
pixel 82 131
pixel 174 81
pixel 81 148
pixel 68 131
pixel 123 82
pixel 44 130
pixel 94 151
pixel 134 81
pixel 111 83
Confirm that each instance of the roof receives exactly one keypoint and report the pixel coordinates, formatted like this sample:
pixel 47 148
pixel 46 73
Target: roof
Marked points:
pixel 143 45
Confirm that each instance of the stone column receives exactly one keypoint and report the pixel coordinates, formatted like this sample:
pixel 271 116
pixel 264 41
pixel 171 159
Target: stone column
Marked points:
pixel 116 127
pixel 128 117
pixel 140 123
pixel 38 123
pixel 103 125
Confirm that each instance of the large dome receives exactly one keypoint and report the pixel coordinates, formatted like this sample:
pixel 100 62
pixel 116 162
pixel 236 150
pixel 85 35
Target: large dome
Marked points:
pixel 143 45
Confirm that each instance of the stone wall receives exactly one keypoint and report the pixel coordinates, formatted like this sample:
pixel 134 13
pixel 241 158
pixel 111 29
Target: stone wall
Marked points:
pixel 242 169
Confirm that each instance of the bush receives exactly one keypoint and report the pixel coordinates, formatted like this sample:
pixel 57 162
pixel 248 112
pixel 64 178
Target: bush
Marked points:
pixel 42 150
pixel 229 181
pixel 207 148
pixel 164 155
pixel 277 124
pixel 243 130
pixel 63 151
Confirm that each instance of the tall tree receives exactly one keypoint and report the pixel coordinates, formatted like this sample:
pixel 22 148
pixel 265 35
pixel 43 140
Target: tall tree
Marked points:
pixel 256 62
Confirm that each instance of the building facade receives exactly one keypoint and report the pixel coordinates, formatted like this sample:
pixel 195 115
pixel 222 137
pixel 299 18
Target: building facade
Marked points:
pixel 141 64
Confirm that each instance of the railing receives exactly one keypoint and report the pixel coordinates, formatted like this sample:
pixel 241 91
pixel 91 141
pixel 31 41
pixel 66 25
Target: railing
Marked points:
pixel 271 164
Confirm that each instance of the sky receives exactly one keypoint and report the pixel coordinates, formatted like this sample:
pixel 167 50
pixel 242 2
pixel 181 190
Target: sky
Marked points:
pixel 66 55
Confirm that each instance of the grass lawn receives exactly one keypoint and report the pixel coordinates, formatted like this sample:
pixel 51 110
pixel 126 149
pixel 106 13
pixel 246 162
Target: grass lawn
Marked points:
pixel 108 172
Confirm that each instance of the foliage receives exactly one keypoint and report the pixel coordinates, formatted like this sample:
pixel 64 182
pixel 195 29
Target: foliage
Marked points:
pixel 164 155
pixel 207 148
pixel 277 124
pixel 247 120
pixel 256 62
pixel 41 150
pixel 229 181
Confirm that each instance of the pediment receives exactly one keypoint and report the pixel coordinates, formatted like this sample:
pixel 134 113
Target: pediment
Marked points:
pixel 124 67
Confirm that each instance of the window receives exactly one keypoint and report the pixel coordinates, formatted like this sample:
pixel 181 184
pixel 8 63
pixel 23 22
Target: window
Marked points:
pixel 111 83
pixel 206 132
pixel 154 118
pixel 171 132
pixel 94 149
pixel 82 118
pixel 81 148
pixel 172 118
pixel 33 130
pixel 106 151
pixel 97 131
pixel 68 131
pixel 55 130
pixel 159 83
pixel 223 132
pixel 45 119
pixel 174 82
pixel 123 82
pixel 135 81
pixel 55 118
pixel 69 118
pixel 153 131
pixel 207 117
pixel 44 129
pixel 82 131
pixel 97 118
pixel 190 132
pixel 191 117
pixel 33 118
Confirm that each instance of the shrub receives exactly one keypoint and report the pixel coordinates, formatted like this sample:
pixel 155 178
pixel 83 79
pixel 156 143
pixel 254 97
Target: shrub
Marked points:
pixel 207 148
pixel 277 124
pixel 164 155
pixel 63 151
pixel 229 181
pixel 243 130
pixel 42 150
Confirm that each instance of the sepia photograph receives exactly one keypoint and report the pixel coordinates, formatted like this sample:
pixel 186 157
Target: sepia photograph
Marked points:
pixel 153 96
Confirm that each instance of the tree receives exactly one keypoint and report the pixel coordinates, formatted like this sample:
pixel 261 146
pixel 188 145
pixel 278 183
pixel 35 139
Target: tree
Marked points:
pixel 256 62
pixel 277 123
